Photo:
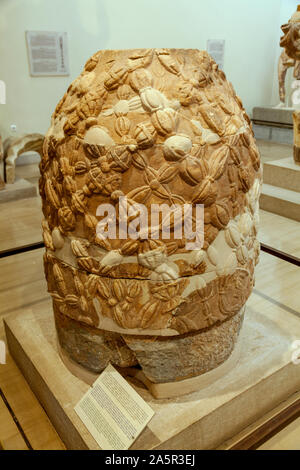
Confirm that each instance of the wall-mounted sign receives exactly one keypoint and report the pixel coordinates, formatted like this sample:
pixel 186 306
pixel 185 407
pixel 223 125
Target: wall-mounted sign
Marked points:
pixel 216 48
pixel 48 53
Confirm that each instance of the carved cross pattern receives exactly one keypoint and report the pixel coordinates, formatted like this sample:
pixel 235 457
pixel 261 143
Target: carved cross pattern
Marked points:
pixel 120 299
pixel 168 297
pixel 168 291
pixel 156 183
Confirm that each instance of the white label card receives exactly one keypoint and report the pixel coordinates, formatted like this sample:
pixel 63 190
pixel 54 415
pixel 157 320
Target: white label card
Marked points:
pixel 113 412
pixel 216 48
pixel 48 53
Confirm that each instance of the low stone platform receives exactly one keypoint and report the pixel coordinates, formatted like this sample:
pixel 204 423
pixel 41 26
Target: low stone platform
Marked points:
pixel 263 378
pixel 283 117
pixel 284 173
pixel 20 189
pixel 273 124
pixel 281 188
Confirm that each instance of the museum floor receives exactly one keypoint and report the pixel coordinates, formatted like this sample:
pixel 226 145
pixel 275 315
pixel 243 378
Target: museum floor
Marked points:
pixel 22 285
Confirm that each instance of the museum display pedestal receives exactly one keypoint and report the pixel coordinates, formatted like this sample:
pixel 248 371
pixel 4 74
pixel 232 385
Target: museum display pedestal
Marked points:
pixel 281 188
pixel 263 378
pixel 274 124
pixel 20 189
pixel 269 115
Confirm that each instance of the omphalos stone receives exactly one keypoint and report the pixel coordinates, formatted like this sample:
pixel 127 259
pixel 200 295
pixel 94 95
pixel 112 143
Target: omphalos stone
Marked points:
pixel 163 128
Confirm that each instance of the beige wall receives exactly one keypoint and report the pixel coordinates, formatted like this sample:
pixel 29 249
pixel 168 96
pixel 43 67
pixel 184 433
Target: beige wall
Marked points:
pixel 250 28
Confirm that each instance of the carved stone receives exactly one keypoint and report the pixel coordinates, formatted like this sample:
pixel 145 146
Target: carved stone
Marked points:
pixel 159 126
pixel 291 43
pixel 290 56
pixel 290 40
pixel 13 147
pixel 284 63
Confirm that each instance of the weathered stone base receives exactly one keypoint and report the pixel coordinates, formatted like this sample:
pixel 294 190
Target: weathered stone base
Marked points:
pixel 160 390
pixel 90 347
pixel 162 359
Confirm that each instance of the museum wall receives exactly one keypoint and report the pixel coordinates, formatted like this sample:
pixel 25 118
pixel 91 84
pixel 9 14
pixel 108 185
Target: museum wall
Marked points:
pixel 251 45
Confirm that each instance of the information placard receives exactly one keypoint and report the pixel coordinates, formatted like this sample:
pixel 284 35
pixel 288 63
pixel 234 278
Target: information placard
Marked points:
pixel 113 412
pixel 216 48
pixel 48 53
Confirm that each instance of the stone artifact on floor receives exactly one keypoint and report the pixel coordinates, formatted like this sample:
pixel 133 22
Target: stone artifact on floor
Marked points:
pixel 284 63
pixel 14 147
pixel 152 127
pixel 291 43
pixel 290 57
